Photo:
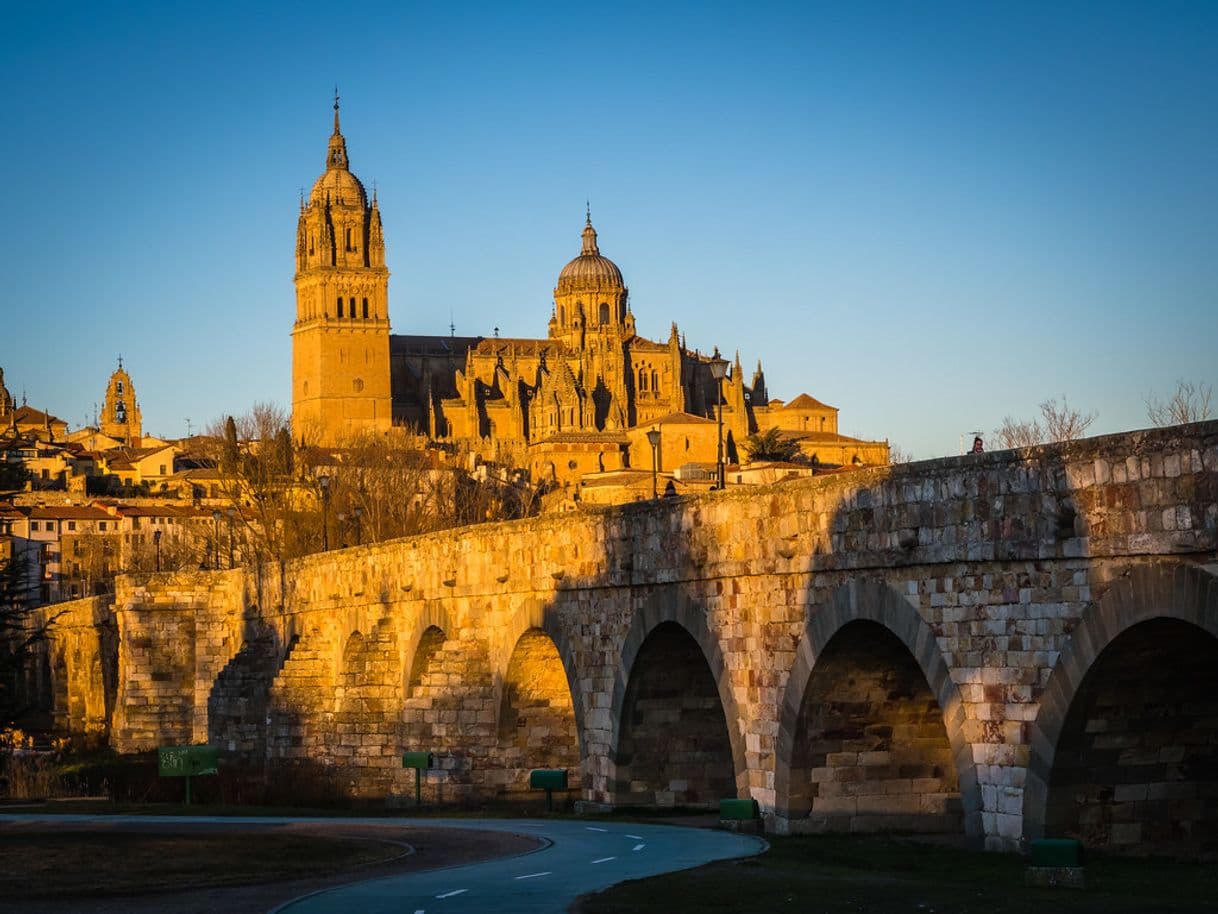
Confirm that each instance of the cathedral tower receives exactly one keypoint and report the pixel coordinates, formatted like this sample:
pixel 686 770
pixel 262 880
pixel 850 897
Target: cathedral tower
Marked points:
pixel 120 416
pixel 340 341
pixel 590 300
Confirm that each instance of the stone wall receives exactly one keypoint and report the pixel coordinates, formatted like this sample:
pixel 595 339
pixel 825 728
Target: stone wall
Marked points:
pixel 1002 577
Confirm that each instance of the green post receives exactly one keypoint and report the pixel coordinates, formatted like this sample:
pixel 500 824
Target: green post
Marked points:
pixel 418 761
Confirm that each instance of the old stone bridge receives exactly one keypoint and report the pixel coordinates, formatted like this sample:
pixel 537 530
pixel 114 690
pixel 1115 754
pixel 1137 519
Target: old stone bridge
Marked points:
pixel 1002 645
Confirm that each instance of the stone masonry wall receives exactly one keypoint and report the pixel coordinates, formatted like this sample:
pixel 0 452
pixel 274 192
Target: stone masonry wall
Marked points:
pixel 1004 575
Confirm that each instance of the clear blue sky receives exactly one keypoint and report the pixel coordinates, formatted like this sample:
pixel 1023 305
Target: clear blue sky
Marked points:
pixel 928 215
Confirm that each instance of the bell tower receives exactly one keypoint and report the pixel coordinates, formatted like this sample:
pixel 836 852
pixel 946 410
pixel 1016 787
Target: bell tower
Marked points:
pixel 120 417
pixel 340 341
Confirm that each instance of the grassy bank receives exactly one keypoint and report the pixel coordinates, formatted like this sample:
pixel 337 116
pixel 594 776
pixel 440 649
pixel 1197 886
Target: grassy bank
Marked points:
pixel 839 874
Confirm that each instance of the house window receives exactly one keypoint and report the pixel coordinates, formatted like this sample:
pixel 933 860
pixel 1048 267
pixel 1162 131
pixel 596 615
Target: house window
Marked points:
pixel 101 525
pixel 33 526
pixel 72 525
pixel 162 469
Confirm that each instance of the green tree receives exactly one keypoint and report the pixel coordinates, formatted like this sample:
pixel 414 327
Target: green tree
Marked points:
pixel 770 445
pixel 20 631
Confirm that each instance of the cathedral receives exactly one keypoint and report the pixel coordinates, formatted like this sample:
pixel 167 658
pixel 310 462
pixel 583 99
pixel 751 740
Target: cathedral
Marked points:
pixel 579 400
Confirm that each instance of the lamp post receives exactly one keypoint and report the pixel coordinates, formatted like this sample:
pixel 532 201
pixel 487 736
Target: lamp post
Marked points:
pixel 156 541
pixel 324 482
pixel 232 512
pixel 653 438
pixel 342 529
pixel 718 369
pixel 215 539
pixel 358 512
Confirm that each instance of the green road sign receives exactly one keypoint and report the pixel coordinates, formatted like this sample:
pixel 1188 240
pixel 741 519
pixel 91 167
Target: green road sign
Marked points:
pixel 186 762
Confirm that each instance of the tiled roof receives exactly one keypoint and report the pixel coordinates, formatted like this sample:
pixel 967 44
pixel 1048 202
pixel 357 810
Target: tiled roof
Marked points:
pixel 803 401
pixel 678 418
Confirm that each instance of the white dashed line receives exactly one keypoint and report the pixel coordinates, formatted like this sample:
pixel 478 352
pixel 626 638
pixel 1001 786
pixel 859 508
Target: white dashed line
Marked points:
pixel 452 893
pixel 638 847
pixel 590 828
pixel 604 859
pixel 635 837
pixel 532 875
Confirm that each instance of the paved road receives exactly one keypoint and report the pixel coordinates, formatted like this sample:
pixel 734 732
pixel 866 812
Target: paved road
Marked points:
pixel 581 857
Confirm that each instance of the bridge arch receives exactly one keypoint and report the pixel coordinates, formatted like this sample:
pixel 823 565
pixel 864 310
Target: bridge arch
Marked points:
pixel 873 616
pixel 669 626
pixel 1147 651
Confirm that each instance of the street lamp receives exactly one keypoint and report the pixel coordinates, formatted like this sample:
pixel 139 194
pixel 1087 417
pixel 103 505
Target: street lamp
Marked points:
pixel 232 512
pixel 156 541
pixel 342 529
pixel 324 482
pixel 653 438
pixel 358 512
pixel 718 370
pixel 215 538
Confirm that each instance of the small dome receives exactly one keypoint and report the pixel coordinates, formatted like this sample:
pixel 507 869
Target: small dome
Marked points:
pixel 339 186
pixel 590 271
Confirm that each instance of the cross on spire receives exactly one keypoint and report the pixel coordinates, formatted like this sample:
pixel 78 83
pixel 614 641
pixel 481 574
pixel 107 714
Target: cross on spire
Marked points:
pixel 336 108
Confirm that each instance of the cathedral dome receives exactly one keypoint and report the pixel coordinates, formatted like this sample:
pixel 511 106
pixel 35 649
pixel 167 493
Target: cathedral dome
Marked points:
pixel 338 185
pixel 590 271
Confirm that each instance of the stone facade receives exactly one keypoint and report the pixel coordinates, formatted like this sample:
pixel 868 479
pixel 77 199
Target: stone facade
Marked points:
pixel 908 646
pixel 560 405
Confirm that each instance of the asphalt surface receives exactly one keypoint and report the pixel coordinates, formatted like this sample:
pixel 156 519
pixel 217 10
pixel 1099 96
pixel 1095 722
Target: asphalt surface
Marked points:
pixel 581 858
pixel 578 857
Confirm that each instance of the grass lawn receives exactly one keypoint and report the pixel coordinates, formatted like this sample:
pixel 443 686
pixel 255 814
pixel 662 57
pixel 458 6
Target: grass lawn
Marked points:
pixel 834 875
pixel 78 862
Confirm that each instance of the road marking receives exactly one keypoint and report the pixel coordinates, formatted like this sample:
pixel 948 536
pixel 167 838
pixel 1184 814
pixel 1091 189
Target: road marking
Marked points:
pixel 419 911
pixel 452 893
pixel 532 875
pixel 604 859
pixel 590 828
pixel 638 847
pixel 635 837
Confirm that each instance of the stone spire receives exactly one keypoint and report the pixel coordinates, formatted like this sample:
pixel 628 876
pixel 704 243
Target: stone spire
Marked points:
pixel 589 232
pixel 336 153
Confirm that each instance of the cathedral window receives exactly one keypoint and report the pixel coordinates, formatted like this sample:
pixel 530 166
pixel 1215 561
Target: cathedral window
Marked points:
pixel 352 306
pixel 562 315
pixel 604 312
pixel 655 381
pixel 642 379
pixel 340 306
pixel 118 388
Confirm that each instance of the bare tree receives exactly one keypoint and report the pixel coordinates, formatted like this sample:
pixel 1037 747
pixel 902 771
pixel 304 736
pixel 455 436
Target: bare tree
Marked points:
pixel 1062 422
pixel 1057 422
pixel 1189 402
pixel 898 454
pixel 1015 433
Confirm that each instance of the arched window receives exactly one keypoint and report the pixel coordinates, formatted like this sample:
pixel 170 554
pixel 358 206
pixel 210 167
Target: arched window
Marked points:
pixel 118 388
pixel 604 312
pixel 340 306
pixel 365 309
pixel 562 315
pixel 642 379
pixel 655 380
pixel 353 307
pixel 621 311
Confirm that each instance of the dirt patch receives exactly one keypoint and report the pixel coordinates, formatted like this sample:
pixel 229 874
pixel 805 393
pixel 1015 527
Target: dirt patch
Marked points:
pixel 137 868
